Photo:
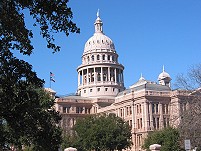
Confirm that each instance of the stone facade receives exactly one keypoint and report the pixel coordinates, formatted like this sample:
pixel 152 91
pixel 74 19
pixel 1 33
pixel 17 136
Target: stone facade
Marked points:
pixel 145 105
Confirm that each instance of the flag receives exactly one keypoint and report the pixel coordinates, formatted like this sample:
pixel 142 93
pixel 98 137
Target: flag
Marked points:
pixel 51 74
pixel 52 77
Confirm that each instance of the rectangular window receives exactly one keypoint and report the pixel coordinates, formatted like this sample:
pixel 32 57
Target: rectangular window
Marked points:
pixel 163 108
pixel 164 122
pixel 154 122
pixel 168 122
pixel 140 122
pixel 130 110
pixel 64 109
pixel 167 109
pixel 153 108
pixel 157 122
pixel 156 108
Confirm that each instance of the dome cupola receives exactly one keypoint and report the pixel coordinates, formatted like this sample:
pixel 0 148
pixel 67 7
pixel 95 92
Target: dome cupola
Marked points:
pixel 99 41
pixel 164 78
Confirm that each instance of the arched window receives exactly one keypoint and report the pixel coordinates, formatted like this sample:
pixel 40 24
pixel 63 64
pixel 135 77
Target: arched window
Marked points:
pixel 103 57
pixel 98 57
pixel 108 57
pixel 92 57
pixel 112 58
pixel 88 58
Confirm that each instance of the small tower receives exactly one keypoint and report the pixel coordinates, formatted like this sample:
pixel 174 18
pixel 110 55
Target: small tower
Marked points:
pixel 164 78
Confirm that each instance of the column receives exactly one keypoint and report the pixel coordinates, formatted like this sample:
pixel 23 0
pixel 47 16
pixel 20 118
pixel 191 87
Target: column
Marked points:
pixel 101 74
pixel 83 111
pixel 119 76
pixel 124 108
pixel 95 75
pixel 82 77
pixel 87 76
pixel 109 74
pixel 78 78
pixel 146 118
pixel 151 116
pixel 133 115
pixel 118 112
pixel 161 115
pixel 115 75
pixel 143 115
pixel 122 77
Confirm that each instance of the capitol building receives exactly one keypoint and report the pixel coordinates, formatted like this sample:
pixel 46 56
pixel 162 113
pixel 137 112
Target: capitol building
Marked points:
pixel 145 105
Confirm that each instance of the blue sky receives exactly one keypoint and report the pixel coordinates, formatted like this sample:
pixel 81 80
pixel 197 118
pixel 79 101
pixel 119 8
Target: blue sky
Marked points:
pixel 147 35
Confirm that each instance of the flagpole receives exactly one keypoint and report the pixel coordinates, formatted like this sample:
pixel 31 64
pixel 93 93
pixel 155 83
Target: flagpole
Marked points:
pixel 50 81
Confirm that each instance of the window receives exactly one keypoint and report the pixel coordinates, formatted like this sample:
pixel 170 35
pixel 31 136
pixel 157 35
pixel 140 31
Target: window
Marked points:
pixel 157 122
pixel 112 58
pixel 164 122
pixel 65 110
pixel 130 110
pixel 106 89
pixel 108 57
pixel 168 122
pixel 153 108
pixel 103 57
pixel 154 122
pixel 140 122
pixel 156 108
pixel 92 57
pixel 84 91
pixel 127 110
pixel 79 109
pixel 90 90
pixel 98 89
pixel 98 57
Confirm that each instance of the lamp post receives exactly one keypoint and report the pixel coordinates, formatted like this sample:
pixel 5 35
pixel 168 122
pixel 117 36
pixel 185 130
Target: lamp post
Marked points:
pixel 133 118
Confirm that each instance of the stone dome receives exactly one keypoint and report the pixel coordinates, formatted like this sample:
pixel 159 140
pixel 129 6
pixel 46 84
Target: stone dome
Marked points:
pixel 163 75
pixel 99 41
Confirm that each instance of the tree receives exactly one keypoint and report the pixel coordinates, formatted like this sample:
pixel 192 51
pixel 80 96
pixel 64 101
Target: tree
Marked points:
pixel 103 132
pixel 26 113
pixel 168 138
pixel 190 125
pixel 68 140
pixel 52 16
